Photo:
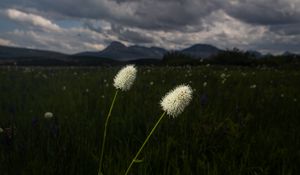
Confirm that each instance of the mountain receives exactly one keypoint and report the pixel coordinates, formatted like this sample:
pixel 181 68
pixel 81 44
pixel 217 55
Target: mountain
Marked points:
pixel 119 51
pixel 201 51
pixel 287 53
pixel 7 52
pixel 114 54
pixel 254 53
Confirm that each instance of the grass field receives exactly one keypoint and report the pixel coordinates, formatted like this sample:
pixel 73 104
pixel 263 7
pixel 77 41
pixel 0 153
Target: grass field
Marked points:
pixel 244 121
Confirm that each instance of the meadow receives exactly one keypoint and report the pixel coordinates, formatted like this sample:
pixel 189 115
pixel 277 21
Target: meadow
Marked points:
pixel 241 120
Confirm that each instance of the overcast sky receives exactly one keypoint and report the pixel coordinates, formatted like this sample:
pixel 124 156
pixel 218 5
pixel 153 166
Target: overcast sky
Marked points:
pixel 71 26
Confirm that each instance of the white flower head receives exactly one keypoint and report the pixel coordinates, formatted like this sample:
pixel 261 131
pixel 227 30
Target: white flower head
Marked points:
pixel 125 78
pixel 253 86
pixel 1 130
pixel 48 115
pixel 176 100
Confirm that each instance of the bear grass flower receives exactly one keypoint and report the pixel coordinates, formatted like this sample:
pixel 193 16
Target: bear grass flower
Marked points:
pixel 122 81
pixel 125 78
pixel 253 86
pixel 173 104
pixel 48 115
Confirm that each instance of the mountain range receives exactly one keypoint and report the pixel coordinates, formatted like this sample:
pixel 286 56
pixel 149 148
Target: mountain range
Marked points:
pixel 119 51
pixel 116 51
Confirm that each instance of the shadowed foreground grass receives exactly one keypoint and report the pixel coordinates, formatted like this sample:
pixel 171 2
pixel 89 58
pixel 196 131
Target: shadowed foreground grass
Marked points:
pixel 229 128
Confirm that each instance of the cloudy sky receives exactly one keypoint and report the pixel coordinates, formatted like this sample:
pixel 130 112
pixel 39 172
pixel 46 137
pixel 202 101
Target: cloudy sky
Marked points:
pixel 71 26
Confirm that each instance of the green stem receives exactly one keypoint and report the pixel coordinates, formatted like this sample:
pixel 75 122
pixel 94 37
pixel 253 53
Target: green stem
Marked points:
pixel 104 134
pixel 137 154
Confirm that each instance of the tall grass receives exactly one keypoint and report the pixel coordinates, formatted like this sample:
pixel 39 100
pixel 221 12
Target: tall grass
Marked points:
pixel 234 130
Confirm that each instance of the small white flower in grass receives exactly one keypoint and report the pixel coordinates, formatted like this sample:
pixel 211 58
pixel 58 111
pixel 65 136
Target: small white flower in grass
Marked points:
pixel 253 86
pixel 125 78
pixel 223 81
pixel 174 102
pixel 1 130
pixel 48 115
pixel 223 75
pixel 204 84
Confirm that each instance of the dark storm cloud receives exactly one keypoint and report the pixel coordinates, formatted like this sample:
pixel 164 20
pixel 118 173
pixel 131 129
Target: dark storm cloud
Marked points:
pixel 131 36
pixel 168 23
pixel 286 29
pixel 146 14
pixel 166 14
pixel 264 12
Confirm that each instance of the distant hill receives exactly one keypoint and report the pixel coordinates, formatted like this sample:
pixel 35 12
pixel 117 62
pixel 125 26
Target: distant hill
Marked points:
pixel 119 54
pixel 201 51
pixel 119 51
pixel 7 52
pixel 255 53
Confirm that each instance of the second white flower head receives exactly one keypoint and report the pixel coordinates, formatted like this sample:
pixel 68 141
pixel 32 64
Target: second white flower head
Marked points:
pixel 176 100
pixel 125 78
pixel 48 115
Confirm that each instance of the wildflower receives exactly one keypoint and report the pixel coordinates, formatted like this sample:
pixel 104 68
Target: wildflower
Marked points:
pixel 125 78
pixel 45 76
pixel 223 75
pixel 203 100
pixel 87 90
pixel 48 115
pixel 205 84
pixel 34 121
pixel 1 130
pixel 253 86
pixel 282 95
pixel 223 81
pixel 174 102
pixel 151 83
pixel 123 81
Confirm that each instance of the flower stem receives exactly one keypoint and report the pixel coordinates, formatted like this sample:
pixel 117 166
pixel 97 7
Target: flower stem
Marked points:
pixel 104 133
pixel 137 154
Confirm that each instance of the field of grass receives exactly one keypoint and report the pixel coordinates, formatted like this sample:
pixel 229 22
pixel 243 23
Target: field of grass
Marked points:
pixel 246 124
